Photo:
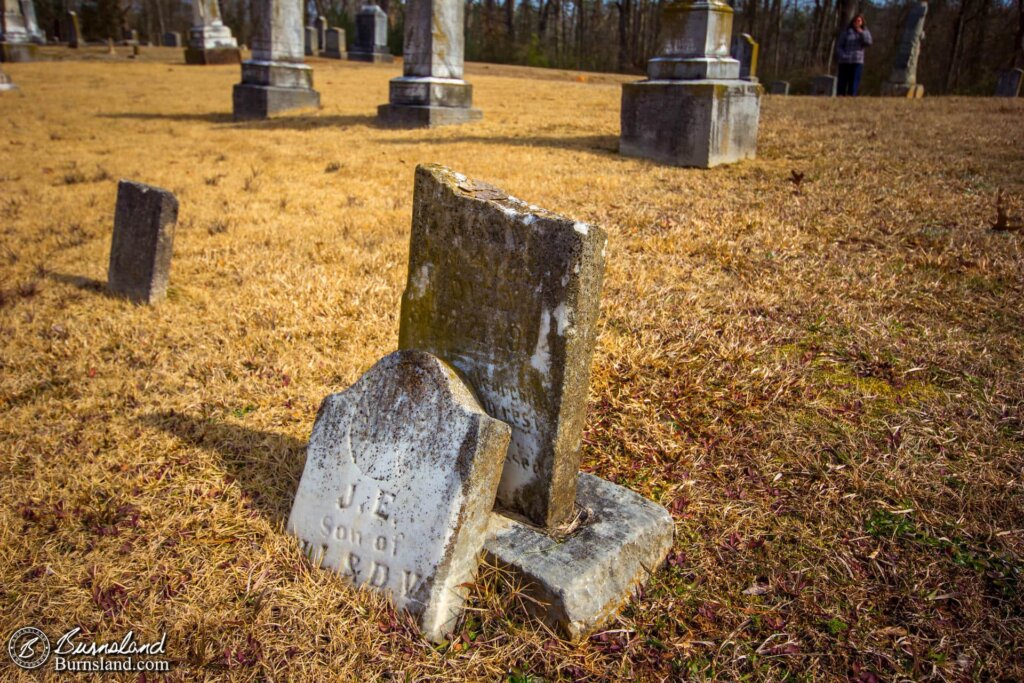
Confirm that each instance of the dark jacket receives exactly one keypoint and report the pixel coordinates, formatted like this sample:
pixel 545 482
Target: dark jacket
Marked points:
pixel 850 46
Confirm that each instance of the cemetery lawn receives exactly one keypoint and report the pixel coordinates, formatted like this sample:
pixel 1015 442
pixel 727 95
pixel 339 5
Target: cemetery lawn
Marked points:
pixel 813 359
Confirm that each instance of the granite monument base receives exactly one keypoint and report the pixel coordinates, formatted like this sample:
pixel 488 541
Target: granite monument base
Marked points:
pixel 419 116
pixel 19 52
pixel 374 57
pixel 700 123
pixel 216 55
pixel 910 92
pixel 253 102
pixel 580 582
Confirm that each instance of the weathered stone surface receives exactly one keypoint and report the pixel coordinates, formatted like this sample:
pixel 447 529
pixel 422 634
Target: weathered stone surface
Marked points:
pixel 431 83
pixel 35 34
pixel 275 79
pixel 335 44
pixel 309 38
pixel 216 55
pixel 509 294
pixel 74 29
pixel 12 22
pixel 1009 83
pixel 695 42
pixel 321 33
pixel 778 88
pixel 823 86
pixel 903 77
pixel 140 251
pixel 371 43
pixel 690 123
pixel 745 51
pixel 208 31
pixel 580 582
pixel 399 481
pixel 171 39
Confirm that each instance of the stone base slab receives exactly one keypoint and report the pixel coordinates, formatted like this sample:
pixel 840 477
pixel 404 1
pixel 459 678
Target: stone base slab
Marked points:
pixel 253 102
pixel 334 54
pixel 692 68
pixel 911 92
pixel 19 52
pixel 582 581
pixel 374 57
pixel 407 116
pixel 277 74
pixel 217 55
pixel 430 92
pixel 690 123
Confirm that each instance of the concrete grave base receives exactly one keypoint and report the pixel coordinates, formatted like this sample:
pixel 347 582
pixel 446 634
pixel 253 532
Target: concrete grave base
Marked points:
pixel 334 54
pixel 412 116
pixel 216 55
pixel 263 101
pixel 582 581
pixel 911 92
pixel 19 52
pixel 690 123
pixel 374 57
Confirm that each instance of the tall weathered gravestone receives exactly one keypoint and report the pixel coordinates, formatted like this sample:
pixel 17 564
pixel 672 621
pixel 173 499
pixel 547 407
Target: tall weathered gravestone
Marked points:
pixel 693 110
pixel 745 51
pixel 74 30
pixel 209 40
pixel 275 79
pixel 35 34
pixel 823 86
pixel 1009 83
pixel 431 90
pixel 509 295
pixel 321 33
pixel 143 240
pixel 309 41
pixel 778 88
pixel 903 78
pixel 16 44
pixel 371 43
pixel 335 44
pixel 398 486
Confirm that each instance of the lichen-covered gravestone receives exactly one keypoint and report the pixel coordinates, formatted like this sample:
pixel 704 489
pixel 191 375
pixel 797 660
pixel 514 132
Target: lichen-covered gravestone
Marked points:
pixel 140 251
pixel 399 481
pixel 508 294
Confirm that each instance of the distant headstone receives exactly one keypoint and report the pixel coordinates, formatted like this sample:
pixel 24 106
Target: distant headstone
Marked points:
pixel 171 39
pixel 209 40
pixel 130 37
pixel 274 79
pixel 6 83
pixel 1009 83
pixel 321 33
pixel 431 90
pixel 140 252
pixel 74 30
pixel 398 486
pixel 335 44
pixel 310 41
pixel 745 50
pixel 823 86
pixel 508 293
pixel 110 47
pixel 779 88
pixel 902 80
pixel 371 43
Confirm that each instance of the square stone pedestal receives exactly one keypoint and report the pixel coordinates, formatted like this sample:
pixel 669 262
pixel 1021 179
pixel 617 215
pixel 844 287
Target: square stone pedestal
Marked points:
pixel 583 580
pixel 19 52
pixel 216 55
pixel 428 102
pixel 268 88
pixel 700 123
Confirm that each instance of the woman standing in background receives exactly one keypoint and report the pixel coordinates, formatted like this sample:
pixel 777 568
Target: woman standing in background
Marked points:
pixel 850 55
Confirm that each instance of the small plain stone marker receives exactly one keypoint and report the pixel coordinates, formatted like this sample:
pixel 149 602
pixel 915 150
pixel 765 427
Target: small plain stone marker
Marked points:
pixel 823 86
pixel 509 293
pixel 171 39
pixel 1009 83
pixel 309 38
pixel 778 88
pixel 398 486
pixel 140 251
pixel 745 50
pixel 335 43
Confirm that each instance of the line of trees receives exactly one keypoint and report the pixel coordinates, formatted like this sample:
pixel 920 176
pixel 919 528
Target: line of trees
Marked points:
pixel 966 41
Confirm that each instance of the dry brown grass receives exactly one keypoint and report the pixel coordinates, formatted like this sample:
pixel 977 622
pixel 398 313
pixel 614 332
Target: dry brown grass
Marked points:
pixel 821 379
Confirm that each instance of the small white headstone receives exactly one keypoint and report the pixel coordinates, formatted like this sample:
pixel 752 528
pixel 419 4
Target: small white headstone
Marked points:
pixel 400 478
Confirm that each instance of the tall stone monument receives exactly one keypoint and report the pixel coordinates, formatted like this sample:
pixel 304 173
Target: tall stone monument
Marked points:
pixel 335 44
pixel 275 79
pixel 1009 83
pixel 371 43
pixel 399 484
pixel 903 78
pixel 35 34
pixel 745 51
pixel 209 40
pixel 74 30
pixel 431 91
pixel 15 40
pixel 143 240
pixel 508 294
pixel 693 110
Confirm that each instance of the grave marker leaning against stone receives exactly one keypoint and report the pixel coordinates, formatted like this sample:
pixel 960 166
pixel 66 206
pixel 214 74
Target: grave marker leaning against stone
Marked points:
pixel 275 79
pixel 398 486
pixel 140 250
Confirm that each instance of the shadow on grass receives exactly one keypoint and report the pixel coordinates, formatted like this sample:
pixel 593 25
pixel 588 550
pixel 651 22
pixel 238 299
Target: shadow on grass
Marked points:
pixel 295 122
pixel 597 144
pixel 266 465
pixel 84 283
